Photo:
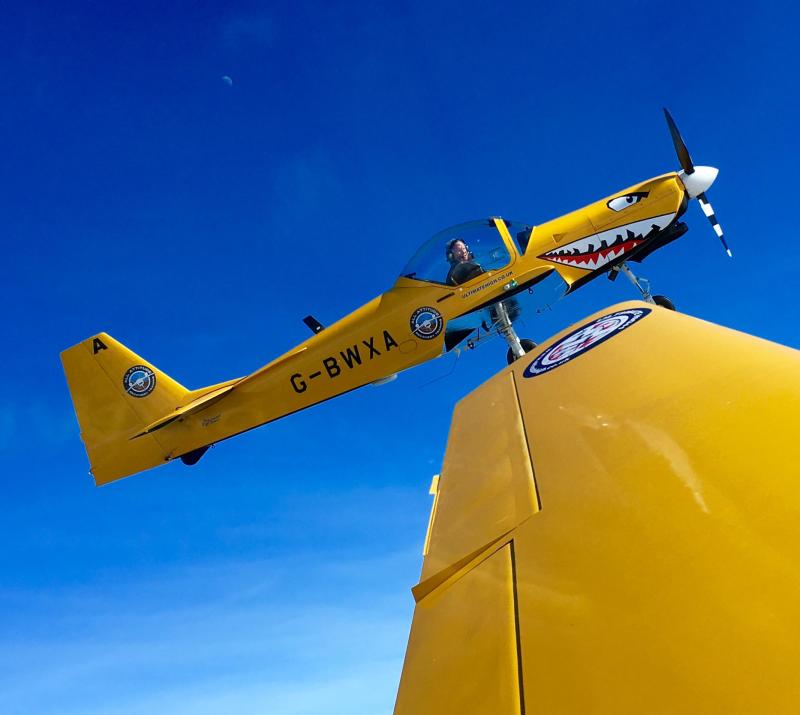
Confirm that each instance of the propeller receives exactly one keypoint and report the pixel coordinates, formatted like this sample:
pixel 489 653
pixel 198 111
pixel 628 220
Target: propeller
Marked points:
pixel 696 179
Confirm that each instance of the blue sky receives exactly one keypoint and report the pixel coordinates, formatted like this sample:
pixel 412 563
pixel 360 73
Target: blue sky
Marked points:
pixel 198 221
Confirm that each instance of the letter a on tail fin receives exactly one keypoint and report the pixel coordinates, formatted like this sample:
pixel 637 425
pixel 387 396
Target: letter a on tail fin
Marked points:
pixel 116 394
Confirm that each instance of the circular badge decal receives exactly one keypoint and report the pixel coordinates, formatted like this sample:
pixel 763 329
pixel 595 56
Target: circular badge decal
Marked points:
pixel 426 323
pixel 583 339
pixel 139 381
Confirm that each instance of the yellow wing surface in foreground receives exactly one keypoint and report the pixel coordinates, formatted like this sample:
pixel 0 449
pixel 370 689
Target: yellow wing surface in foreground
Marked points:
pixel 617 529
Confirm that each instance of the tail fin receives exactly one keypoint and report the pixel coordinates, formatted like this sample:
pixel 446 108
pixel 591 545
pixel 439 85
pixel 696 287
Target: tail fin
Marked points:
pixel 116 394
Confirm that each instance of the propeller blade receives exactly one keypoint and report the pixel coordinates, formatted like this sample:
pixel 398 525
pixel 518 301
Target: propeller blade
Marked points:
pixel 680 145
pixel 709 212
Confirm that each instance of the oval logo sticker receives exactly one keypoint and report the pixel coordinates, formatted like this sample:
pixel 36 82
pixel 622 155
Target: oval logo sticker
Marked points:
pixel 584 338
pixel 139 381
pixel 426 323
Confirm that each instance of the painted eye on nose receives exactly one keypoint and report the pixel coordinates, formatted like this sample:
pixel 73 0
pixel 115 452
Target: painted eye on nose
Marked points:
pixel 622 202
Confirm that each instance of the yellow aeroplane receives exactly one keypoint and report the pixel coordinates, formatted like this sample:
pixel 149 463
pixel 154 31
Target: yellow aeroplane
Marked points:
pixel 467 283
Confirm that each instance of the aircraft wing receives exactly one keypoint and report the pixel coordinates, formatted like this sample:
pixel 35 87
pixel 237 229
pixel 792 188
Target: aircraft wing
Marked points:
pixel 616 529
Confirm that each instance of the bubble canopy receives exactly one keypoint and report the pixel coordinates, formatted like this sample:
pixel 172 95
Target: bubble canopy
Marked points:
pixel 459 254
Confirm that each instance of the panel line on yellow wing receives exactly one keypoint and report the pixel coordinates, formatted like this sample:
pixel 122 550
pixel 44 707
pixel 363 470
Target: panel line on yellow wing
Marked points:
pixel 517 633
pixel 527 443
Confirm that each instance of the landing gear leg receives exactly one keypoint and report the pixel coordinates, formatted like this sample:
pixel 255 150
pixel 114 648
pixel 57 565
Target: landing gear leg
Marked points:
pixel 642 284
pixel 516 347
pixel 506 329
pixel 644 287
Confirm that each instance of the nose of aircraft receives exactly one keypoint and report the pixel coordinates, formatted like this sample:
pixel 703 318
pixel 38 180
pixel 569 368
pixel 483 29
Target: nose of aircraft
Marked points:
pixel 699 180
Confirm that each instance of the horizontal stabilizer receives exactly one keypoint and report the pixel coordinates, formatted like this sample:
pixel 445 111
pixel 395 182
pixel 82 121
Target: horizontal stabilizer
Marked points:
pixel 207 399
pixel 200 399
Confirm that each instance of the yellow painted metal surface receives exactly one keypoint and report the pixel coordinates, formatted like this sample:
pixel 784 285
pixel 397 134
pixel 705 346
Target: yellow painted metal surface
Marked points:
pixel 466 622
pixel 662 573
pixel 486 487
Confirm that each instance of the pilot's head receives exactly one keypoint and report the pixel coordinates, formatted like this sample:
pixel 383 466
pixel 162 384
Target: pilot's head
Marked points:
pixel 457 251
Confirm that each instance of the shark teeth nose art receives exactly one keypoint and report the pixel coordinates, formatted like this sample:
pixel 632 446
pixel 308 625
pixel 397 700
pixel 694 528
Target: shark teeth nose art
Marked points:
pixel 597 250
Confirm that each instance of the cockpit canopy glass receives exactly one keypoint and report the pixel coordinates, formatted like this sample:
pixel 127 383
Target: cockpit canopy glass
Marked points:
pixel 459 254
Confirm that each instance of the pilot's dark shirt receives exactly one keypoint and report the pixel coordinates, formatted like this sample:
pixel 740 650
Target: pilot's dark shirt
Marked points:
pixel 462 272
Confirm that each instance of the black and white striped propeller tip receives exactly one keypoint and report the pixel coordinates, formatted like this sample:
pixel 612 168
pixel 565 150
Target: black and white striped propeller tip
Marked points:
pixel 708 210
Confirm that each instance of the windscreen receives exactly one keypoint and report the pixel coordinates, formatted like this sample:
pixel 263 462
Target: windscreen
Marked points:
pixel 459 254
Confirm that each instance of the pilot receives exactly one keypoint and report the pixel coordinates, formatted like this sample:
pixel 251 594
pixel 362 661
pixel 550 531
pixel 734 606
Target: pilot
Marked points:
pixel 462 262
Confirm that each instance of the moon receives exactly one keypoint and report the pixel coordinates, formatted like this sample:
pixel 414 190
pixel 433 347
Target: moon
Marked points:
pixel 227 80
